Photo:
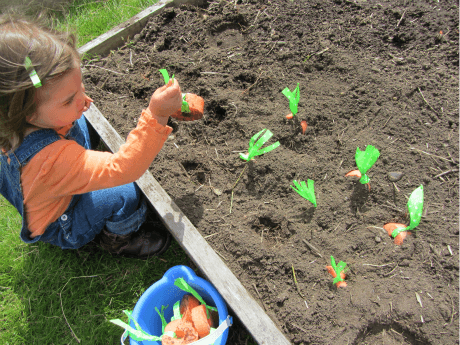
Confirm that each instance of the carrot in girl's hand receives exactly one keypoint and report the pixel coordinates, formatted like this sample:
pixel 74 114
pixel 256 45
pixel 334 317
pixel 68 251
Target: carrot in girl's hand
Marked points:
pixel 192 105
pixel 390 227
pixel 289 116
pixel 195 108
pixel 304 125
pixel 200 321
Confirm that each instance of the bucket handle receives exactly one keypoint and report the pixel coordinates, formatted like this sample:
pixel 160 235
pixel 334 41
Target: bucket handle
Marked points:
pixel 208 340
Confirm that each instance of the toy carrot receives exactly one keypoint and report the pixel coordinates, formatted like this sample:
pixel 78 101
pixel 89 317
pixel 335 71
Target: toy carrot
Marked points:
pixel 306 191
pixel 304 125
pixel 337 272
pixel 399 238
pixel 188 302
pixel 190 321
pixel 255 146
pixel 184 331
pixel 193 325
pixel 415 207
pixel 192 105
pixel 364 161
pixel 293 97
pixel 192 108
pixel 200 321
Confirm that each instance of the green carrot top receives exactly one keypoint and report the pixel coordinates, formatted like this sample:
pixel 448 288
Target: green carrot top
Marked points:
pixel 365 160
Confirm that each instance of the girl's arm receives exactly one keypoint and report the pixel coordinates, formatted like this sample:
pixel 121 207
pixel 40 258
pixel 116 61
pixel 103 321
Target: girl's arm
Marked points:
pixel 65 168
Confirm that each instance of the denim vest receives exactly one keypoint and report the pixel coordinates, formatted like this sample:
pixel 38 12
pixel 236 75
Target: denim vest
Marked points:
pixel 13 161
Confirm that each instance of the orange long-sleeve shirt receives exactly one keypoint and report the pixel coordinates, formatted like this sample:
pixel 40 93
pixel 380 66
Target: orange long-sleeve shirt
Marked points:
pixel 64 168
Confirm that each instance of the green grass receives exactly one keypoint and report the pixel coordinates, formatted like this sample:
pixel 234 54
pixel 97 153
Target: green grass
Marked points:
pixel 93 18
pixel 51 296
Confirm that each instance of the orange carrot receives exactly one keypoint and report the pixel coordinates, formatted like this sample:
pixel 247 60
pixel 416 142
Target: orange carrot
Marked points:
pixel 196 106
pixel 167 340
pixel 354 173
pixel 187 316
pixel 185 329
pixel 188 302
pixel 190 333
pixel 174 326
pixel 390 227
pixel 193 325
pixel 333 274
pixel 200 321
pixel 357 173
pixel 304 125
pixel 289 116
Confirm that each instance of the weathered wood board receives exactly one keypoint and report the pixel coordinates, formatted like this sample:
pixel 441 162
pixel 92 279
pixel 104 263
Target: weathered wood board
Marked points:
pixel 256 321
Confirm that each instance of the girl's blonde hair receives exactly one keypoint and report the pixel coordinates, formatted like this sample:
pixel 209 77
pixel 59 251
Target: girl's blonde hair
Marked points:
pixel 52 54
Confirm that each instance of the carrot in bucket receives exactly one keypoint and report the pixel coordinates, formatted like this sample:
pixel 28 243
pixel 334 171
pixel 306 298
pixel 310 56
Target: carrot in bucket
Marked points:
pixel 188 302
pixel 176 326
pixel 179 331
pixel 200 321
pixel 185 333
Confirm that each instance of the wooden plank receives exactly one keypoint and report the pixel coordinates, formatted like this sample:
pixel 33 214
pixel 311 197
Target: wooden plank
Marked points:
pixel 116 37
pixel 257 322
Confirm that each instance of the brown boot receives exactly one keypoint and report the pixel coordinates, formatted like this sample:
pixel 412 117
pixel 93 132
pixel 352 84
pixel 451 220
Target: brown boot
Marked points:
pixel 151 239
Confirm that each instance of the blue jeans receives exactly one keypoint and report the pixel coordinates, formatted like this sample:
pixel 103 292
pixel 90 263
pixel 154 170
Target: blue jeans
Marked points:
pixel 121 210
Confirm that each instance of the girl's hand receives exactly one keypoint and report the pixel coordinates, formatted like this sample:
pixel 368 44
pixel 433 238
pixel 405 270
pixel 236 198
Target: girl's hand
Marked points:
pixel 88 102
pixel 166 100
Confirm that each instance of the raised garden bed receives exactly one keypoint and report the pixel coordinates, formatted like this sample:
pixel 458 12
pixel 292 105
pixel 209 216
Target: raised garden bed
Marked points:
pixel 370 74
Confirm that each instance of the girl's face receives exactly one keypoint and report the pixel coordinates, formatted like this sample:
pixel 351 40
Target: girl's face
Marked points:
pixel 61 101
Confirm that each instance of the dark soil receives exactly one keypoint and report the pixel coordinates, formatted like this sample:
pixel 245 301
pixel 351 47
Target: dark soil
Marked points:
pixel 370 73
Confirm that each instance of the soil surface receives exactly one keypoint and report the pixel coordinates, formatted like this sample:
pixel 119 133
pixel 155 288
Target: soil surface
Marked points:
pixel 382 74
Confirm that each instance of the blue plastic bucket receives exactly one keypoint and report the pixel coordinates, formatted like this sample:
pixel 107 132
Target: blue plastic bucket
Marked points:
pixel 164 292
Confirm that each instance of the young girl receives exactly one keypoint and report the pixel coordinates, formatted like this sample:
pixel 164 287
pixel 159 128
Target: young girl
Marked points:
pixel 66 193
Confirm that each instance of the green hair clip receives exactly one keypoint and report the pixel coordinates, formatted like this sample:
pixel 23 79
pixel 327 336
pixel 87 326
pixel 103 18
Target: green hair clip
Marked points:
pixel 32 73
